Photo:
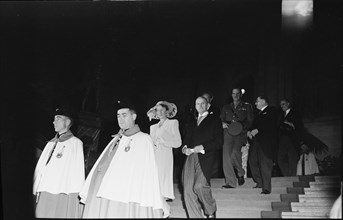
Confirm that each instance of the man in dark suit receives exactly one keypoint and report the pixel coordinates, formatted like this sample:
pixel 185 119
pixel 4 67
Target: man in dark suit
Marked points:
pixel 212 109
pixel 203 140
pixel 291 128
pixel 263 151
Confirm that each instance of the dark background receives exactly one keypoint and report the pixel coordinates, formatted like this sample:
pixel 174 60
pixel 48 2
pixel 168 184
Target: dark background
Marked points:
pixel 54 52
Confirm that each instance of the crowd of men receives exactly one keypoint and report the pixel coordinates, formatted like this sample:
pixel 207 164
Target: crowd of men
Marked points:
pixel 125 180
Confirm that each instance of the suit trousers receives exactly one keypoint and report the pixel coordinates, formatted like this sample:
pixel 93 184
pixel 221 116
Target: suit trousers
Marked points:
pixel 232 157
pixel 287 156
pixel 261 166
pixel 196 188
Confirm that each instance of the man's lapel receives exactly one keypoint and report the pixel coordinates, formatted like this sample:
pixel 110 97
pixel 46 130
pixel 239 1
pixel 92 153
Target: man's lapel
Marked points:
pixel 204 120
pixel 264 112
pixel 289 116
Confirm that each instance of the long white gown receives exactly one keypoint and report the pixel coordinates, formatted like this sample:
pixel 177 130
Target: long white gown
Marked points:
pixel 165 138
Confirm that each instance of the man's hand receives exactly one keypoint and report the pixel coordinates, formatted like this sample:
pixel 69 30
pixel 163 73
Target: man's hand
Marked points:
pixel 225 125
pixel 187 151
pixel 254 132
pixel 249 135
pixel 199 149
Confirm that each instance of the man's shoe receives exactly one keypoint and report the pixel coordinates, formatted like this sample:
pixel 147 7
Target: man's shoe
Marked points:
pixel 241 180
pixel 228 187
pixel 265 192
pixel 255 187
pixel 212 216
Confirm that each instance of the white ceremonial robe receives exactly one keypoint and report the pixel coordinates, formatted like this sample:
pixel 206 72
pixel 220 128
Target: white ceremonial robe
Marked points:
pixel 131 176
pixel 58 183
pixel 61 175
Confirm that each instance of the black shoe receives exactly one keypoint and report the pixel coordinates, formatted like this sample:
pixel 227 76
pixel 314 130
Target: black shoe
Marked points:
pixel 212 216
pixel 265 192
pixel 255 187
pixel 241 180
pixel 228 187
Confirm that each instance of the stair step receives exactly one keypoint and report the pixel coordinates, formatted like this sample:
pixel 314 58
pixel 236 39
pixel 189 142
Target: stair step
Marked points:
pixel 234 196
pixel 328 179
pixel 297 190
pixel 221 214
pixel 291 197
pixel 322 188
pixel 248 191
pixel 317 199
pixel 233 205
pixel 303 215
pixel 249 182
pixel 321 192
pixel 306 178
pixel 312 209
pixel 301 184
pixel 325 183
pixel 308 213
pixel 270 214
pixel 310 204
pixel 312 197
pixel 317 195
pixel 281 206
pixel 238 214
pixel 313 190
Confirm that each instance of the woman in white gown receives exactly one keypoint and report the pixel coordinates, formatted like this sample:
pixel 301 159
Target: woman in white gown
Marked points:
pixel 166 136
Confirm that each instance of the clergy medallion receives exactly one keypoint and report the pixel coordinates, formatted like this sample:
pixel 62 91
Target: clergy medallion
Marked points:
pixel 60 154
pixel 128 147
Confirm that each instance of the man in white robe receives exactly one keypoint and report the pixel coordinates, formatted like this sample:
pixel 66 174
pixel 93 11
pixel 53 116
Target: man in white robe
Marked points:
pixel 123 182
pixel 59 174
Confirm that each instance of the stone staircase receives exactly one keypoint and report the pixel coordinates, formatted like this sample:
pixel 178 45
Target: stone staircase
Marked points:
pixel 241 202
pixel 291 197
pixel 317 198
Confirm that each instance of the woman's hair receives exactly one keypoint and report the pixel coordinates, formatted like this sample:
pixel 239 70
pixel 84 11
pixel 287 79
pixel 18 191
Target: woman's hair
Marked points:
pixel 164 106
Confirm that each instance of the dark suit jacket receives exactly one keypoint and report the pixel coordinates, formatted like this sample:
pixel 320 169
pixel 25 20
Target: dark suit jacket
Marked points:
pixel 214 110
pixel 294 134
pixel 266 122
pixel 209 134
